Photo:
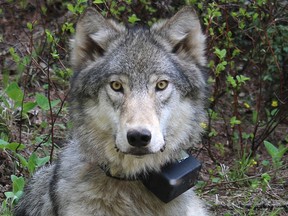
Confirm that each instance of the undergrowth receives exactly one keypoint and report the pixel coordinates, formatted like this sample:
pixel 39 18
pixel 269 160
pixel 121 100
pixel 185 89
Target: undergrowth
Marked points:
pixel 247 48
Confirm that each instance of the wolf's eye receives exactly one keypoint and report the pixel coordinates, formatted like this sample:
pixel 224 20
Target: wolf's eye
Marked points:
pixel 116 86
pixel 161 85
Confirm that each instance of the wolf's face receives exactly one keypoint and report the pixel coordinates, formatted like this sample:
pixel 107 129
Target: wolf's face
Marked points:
pixel 138 92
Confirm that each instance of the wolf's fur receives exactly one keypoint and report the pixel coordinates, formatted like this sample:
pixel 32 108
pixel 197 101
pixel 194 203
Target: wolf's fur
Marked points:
pixel 137 58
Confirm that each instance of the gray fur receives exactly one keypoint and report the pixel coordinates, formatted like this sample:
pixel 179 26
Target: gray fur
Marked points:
pixel 103 52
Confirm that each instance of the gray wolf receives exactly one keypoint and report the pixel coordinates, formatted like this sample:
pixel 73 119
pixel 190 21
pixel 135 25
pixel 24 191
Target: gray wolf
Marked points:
pixel 137 99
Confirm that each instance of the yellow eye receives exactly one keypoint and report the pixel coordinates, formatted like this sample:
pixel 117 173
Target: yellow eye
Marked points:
pixel 161 85
pixel 116 86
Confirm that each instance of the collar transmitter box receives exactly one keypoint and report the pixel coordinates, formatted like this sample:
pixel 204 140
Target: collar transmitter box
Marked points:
pixel 174 178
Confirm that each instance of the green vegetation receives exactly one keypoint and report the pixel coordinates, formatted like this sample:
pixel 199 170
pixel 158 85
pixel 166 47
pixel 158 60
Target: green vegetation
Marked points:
pixel 247 48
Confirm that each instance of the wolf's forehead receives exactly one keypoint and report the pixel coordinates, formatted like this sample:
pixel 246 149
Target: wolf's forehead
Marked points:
pixel 142 66
pixel 140 54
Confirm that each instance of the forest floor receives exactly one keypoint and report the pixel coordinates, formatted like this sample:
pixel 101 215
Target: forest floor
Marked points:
pixel 223 195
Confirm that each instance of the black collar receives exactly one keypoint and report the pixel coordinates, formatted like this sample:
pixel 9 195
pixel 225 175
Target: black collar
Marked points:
pixel 106 170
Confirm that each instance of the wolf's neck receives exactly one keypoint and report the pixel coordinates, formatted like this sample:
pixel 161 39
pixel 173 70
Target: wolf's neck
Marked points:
pixel 117 175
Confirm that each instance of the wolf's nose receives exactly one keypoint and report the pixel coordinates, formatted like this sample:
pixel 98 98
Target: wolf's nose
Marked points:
pixel 139 138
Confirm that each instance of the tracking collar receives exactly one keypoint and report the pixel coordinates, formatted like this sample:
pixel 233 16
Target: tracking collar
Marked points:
pixel 173 179
pixel 108 173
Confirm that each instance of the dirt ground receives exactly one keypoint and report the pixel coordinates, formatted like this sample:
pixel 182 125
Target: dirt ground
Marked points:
pixel 223 198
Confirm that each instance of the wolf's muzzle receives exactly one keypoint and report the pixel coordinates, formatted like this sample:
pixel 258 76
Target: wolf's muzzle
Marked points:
pixel 139 138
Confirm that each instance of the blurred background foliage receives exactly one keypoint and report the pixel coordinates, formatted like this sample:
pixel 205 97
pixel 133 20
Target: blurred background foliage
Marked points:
pixel 247 49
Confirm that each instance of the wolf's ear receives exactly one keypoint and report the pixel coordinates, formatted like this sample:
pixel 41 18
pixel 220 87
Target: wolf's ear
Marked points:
pixel 184 35
pixel 94 34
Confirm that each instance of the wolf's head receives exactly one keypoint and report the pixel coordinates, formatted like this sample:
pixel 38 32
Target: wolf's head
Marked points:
pixel 138 94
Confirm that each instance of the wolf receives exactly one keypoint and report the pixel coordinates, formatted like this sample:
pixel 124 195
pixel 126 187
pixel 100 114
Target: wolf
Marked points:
pixel 137 100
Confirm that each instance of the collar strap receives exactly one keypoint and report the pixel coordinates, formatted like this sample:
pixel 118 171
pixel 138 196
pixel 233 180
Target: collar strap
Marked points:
pixel 106 170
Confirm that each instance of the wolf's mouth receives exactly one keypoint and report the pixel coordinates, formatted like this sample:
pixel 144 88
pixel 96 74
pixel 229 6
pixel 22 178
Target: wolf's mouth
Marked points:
pixel 138 151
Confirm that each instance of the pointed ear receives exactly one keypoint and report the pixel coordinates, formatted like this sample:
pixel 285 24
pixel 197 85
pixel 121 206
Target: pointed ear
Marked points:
pixel 93 36
pixel 184 35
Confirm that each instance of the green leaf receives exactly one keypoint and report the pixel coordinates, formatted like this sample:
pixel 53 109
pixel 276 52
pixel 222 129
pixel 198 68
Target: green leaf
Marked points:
pixel 242 79
pixel 68 27
pixel 201 184
pixel 70 7
pixel 49 36
pixel 281 151
pixel 255 16
pixel 246 135
pixel 231 81
pixel 14 92
pixel 98 1
pixel 18 195
pixel 255 184
pixel 236 52
pixel 220 53
pixel 28 106
pixel 274 112
pixel 55 55
pixel 18 186
pixel 242 11
pixel 216 180
pixel 221 67
pixel 200 5
pixel 43 102
pixel 3 142
pixel 55 102
pixel 213 133
pixel 11 146
pixel 265 163
pixel 133 19
pixel 9 195
pixel 234 121
pixel 18 183
pixel 42 161
pixel 30 26
pixel 266 177
pixel 271 149
pixel 14 55
pixel 242 25
pixel 32 163
pixel 22 160
pixel 254 116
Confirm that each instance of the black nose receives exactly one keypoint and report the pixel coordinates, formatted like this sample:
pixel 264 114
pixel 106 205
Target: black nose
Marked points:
pixel 139 138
